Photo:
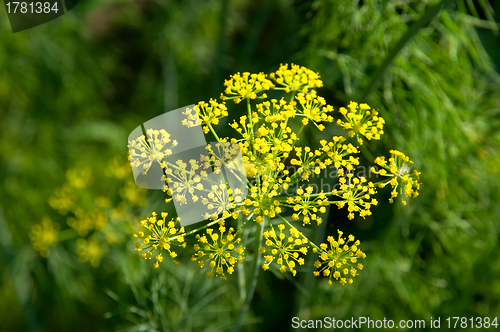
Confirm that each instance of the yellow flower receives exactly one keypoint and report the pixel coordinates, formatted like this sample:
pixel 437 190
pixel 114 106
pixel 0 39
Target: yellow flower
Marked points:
pixel 246 85
pixel 307 205
pixel 362 120
pixel 44 235
pixel 162 235
pixel 218 251
pixel 309 161
pixel 397 169
pixel 89 250
pixel 185 179
pixel 64 199
pixel 79 178
pixel 157 146
pixel 337 151
pixel 285 251
pixel 207 114
pixel 275 176
pixel 314 109
pixel 296 79
pixel 356 193
pixel 338 259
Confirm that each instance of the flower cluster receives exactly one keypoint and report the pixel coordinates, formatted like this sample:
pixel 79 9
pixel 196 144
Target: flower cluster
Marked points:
pixel 307 205
pixel 398 170
pixel 338 259
pixel 285 251
pixel 246 86
pixel 89 250
pixel 44 235
pixel 205 113
pixel 297 78
pixel 164 235
pixel 362 120
pixel 91 225
pixel 314 109
pixel 86 221
pixel 218 251
pixel 272 181
pixel 356 193
pixel 144 151
pixel 337 150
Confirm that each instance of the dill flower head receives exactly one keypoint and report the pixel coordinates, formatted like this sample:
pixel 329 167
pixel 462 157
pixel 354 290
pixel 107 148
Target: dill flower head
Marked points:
pixel 205 113
pixel 314 108
pixel 218 251
pixel 297 78
pixel 284 250
pixel 44 235
pixel 246 86
pixel 144 151
pixel 356 193
pixel 340 154
pixel 338 259
pixel 89 250
pixel 361 120
pixel 160 235
pixel 307 206
pixel 401 178
pixel 184 180
pixel 263 172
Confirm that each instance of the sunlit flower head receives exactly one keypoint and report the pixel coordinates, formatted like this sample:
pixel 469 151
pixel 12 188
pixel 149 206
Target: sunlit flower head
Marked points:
pixel 361 120
pixel 400 176
pixel 144 151
pixel 339 259
pixel 205 114
pixel 246 85
pixel 218 251
pixel 161 235
pixel 313 108
pixel 284 250
pixel 296 78
pixel 356 194
pixel 275 177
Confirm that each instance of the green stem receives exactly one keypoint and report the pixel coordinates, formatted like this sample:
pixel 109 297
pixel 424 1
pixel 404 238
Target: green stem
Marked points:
pixel 300 131
pixel 241 268
pixel 309 280
pixel 368 155
pixel 424 20
pixel 250 121
pixel 213 132
pixel 242 226
pixel 254 275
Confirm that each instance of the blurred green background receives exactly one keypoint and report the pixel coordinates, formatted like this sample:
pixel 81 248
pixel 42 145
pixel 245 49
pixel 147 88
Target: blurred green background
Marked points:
pixel 73 89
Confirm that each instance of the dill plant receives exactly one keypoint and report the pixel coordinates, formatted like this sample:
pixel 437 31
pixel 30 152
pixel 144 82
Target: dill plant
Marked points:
pixel 277 169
